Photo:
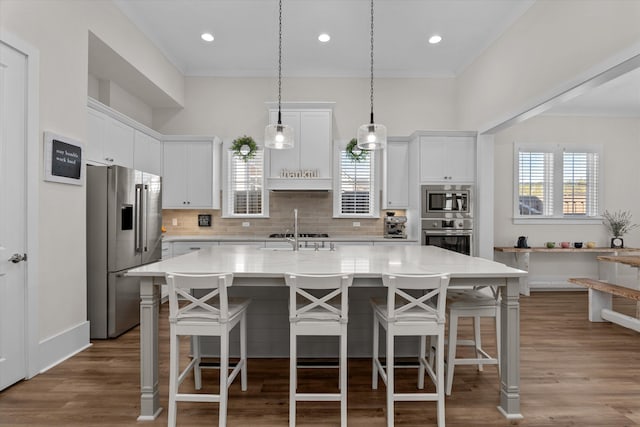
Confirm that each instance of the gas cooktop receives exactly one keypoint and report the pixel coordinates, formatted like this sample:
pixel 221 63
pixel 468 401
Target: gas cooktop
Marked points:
pixel 307 235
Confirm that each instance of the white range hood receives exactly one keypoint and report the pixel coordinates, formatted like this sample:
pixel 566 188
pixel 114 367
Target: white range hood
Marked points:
pixel 308 165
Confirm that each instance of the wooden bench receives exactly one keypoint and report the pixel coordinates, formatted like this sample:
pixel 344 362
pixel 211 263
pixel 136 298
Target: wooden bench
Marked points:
pixel 600 302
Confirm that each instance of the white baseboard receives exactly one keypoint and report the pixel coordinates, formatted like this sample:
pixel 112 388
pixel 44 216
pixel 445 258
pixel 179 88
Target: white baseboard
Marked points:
pixel 60 347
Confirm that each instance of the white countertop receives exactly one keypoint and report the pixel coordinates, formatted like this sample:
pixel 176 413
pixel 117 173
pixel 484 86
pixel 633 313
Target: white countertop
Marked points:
pixel 362 261
pixel 266 238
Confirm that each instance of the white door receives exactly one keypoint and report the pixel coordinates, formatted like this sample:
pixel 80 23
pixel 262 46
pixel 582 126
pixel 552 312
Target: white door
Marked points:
pixel 12 215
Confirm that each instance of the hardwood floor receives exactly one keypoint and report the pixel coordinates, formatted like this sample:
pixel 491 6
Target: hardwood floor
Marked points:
pixel 573 373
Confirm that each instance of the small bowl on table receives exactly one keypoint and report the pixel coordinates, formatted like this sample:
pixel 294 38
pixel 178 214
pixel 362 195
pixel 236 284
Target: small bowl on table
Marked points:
pixel 577 245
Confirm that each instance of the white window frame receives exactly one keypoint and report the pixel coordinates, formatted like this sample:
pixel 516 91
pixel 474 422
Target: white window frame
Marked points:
pixel 557 217
pixel 227 208
pixel 376 171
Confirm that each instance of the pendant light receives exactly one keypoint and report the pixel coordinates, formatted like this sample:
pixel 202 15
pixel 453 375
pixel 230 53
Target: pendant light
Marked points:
pixel 279 136
pixel 372 136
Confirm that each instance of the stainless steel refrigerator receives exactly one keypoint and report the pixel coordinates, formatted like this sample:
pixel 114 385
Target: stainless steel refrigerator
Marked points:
pixel 124 220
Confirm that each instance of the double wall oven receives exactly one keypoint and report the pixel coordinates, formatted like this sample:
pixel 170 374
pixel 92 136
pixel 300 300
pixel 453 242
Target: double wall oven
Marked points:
pixel 447 217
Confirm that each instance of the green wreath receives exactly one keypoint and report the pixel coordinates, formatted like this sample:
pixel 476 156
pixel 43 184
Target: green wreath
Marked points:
pixel 244 147
pixel 356 154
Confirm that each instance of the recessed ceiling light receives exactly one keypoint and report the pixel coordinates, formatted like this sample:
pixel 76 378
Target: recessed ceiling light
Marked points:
pixel 324 37
pixel 435 39
pixel 208 37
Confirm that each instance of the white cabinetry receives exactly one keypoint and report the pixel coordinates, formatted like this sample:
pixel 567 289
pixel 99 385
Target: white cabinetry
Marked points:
pixel 166 250
pixel 188 175
pixel 447 159
pixel 109 141
pixel 181 248
pixel 147 153
pixel 396 175
pixel 308 165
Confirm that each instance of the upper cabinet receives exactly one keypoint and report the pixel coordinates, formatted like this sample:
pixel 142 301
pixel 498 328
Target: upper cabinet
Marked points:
pixel 115 139
pixel 395 190
pixel 109 141
pixel 190 180
pixel 147 153
pixel 308 165
pixel 447 158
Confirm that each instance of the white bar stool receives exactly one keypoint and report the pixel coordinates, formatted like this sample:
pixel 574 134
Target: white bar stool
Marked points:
pixel 476 304
pixel 403 314
pixel 213 314
pixel 318 305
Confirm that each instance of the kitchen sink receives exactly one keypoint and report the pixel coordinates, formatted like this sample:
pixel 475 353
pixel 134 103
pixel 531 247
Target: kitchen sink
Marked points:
pixel 290 249
pixel 303 235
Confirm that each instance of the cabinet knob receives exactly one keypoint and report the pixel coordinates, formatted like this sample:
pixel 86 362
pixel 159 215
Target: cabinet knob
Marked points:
pixel 184 202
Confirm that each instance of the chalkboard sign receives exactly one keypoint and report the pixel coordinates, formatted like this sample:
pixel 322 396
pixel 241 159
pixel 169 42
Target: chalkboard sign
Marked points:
pixel 63 159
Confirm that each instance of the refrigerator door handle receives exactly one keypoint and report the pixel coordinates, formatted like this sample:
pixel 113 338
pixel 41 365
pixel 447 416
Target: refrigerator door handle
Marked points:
pixel 138 218
pixel 145 216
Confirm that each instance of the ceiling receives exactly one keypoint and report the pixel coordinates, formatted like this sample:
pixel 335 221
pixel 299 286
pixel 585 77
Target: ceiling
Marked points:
pixel 619 97
pixel 246 41
pixel 246 35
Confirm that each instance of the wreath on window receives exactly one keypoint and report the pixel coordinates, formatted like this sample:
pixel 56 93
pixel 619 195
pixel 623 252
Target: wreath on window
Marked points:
pixel 244 147
pixel 356 154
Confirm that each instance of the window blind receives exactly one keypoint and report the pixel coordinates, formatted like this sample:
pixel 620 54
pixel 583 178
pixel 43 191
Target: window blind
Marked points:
pixel 558 181
pixel 580 184
pixel 246 184
pixel 357 184
pixel 535 183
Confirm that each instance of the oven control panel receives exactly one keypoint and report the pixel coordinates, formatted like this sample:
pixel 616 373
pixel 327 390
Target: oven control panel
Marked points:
pixel 447 224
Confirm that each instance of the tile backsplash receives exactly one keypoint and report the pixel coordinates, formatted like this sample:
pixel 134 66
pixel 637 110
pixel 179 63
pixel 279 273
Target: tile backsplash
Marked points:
pixel 315 210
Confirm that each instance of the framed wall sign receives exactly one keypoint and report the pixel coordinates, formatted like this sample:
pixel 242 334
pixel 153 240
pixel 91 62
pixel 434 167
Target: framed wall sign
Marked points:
pixel 63 159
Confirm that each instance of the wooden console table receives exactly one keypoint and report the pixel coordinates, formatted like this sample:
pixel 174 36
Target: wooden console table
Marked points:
pixel 522 257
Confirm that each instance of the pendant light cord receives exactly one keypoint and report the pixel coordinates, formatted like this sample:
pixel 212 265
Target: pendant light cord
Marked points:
pixel 371 62
pixel 280 62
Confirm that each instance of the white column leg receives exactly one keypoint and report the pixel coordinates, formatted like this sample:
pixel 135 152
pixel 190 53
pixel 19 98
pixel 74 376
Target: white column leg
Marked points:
pixel 243 351
pixel 149 311
pixel 510 362
pixel 440 377
pixel 174 371
pixel 477 337
pixel 421 359
pixel 293 382
pixel 343 376
pixel 224 375
pixel 451 354
pixel 375 353
pixel 197 370
pixel 390 376
pixel 522 263
pixel 597 301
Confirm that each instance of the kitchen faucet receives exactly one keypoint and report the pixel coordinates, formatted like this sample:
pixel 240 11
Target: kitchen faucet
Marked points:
pixel 294 240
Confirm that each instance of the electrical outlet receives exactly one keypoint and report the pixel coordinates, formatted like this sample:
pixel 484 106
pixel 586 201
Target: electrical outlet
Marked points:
pixel 174 221
pixel 246 224
pixel 356 223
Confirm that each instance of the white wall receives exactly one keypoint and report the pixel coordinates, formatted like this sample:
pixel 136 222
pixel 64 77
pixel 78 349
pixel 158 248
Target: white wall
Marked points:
pixel 59 30
pixel 620 138
pixel 232 107
pixel 621 150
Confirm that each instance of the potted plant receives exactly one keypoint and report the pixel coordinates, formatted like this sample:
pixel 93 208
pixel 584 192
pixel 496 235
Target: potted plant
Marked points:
pixel 618 223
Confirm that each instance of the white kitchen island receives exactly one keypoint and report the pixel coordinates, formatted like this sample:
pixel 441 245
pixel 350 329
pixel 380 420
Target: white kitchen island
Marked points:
pixel 257 267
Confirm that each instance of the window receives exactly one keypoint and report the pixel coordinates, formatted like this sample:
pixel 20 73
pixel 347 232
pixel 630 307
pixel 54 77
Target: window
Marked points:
pixel 356 187
pixel 245 186
pixel 557 181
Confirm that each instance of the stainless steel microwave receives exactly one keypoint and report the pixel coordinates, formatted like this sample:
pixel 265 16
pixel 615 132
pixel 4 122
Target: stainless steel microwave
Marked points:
pixel 447 201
